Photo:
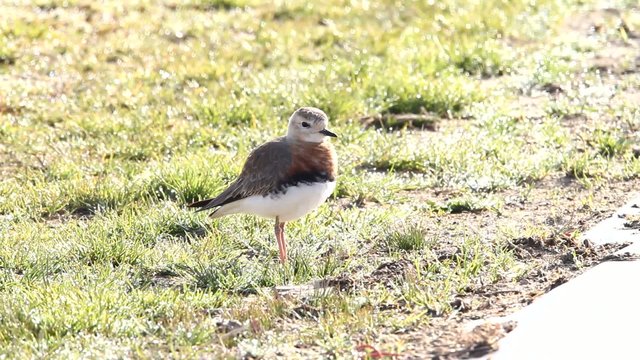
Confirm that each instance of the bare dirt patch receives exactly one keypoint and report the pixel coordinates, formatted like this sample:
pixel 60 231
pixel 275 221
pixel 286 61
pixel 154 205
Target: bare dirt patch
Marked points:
pixel 481 340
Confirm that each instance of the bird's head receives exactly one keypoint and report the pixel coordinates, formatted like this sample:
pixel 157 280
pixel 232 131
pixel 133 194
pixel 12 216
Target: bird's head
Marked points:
pixel 309 124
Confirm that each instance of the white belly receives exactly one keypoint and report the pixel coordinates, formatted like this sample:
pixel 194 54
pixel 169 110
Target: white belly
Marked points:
pixel 294 203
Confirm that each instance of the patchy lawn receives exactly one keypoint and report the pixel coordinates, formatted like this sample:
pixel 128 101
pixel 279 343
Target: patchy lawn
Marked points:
pixel 478 139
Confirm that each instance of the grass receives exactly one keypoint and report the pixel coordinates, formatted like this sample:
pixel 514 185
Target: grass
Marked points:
pixel 413 237
pixel 116 115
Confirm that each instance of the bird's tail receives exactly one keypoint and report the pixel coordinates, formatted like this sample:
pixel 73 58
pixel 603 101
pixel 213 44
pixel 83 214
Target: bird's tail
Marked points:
pixel 207 204
pixel 202 205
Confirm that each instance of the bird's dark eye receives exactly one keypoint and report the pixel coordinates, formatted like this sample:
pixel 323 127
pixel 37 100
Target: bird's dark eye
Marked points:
pixel 305 124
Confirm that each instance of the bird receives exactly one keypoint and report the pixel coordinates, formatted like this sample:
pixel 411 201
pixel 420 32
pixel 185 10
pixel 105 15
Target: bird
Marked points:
pixel 285 178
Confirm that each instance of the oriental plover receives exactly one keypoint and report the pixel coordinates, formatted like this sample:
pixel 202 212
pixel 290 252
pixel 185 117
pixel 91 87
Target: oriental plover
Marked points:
pixel 283 179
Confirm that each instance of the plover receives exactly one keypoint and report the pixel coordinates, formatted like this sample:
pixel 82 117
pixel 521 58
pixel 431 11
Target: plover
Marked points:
pixel 283 179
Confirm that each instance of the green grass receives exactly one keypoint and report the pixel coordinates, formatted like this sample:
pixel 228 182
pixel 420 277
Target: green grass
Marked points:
pixel 114 116
pixel 411 237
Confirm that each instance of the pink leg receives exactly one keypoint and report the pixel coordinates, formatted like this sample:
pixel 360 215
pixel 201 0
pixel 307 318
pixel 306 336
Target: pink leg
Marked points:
pixel 283 256
pixel 280 238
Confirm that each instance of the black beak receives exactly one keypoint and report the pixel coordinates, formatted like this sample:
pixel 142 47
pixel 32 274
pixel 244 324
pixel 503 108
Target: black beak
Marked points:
pixel 328 133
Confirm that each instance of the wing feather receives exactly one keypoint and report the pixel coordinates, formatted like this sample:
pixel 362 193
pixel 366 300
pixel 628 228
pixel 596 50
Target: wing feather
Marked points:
pixel 262 173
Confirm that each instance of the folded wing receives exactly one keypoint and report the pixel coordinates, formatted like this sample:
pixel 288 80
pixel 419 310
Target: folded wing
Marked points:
pixel 263 172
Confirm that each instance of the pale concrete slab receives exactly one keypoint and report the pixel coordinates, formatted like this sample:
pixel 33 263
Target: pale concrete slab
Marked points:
pixel 594 316
pixel 612 230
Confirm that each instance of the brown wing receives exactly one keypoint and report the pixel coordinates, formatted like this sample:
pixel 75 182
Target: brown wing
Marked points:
pixel 263 171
